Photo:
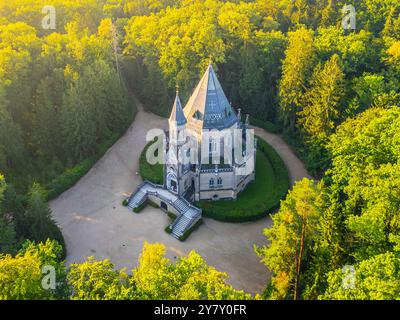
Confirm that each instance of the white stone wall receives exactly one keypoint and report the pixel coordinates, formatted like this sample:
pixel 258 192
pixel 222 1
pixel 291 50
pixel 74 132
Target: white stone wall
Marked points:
pixel 157 201
pixel 231 186
pixel 228 180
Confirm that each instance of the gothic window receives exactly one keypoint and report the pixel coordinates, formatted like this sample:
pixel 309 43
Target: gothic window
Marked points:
pixel 219 181
pixel 211 183
pixel 213 145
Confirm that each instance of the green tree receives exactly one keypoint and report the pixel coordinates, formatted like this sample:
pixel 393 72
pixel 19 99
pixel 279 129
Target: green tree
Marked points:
pixel 98 280
pixel 376 278
pixel 291 239
pixel 323 101
pixel 7 228
pixel 21 276
pixel 365 172
pixel 38 214
pixel 296 69
pixel 190 278
pixel 11 144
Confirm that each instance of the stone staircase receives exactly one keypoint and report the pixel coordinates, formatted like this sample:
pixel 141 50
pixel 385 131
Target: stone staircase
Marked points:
pixel 181 205
pixel 184 222
pixel 188 213
pixel 137 199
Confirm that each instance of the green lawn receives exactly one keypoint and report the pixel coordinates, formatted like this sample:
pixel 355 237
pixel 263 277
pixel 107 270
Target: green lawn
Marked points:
pixel 153 173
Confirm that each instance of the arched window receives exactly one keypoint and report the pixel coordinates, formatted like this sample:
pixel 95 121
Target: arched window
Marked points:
pixel 219 181
pixel 212 145
pixel 211 182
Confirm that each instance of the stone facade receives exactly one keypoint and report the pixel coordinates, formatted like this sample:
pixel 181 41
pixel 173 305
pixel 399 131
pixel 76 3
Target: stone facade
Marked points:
pixel 202 133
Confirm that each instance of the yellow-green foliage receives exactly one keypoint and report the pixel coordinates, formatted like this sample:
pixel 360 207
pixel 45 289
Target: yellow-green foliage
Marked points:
pixel 98 280
pixel 155 277
pixel 21 276
pixel 189 278
pixel 376 278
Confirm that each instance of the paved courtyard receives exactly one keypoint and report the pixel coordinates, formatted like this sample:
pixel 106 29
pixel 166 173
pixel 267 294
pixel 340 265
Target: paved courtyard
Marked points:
pixel 94 222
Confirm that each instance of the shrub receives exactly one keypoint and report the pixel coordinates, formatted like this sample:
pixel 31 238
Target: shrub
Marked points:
pixel 125 202
pixel 190 230
pixel 68 178
pixel 171 215
pixel 140 208
pixel 153 204
pixel 168 230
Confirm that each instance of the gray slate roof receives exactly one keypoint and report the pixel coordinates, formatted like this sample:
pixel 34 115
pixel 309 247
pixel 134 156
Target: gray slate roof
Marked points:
pixel 209 104
pixel 177 114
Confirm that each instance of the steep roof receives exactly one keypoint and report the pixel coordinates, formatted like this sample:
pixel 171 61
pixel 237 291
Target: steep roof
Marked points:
pixel 177 116
pixel 209 104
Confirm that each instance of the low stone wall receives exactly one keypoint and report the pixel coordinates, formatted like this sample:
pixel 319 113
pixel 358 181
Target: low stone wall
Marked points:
pixel 157 201
pixel 222 194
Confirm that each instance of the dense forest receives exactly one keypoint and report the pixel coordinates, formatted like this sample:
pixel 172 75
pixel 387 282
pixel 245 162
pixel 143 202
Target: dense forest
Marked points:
pixel 333 93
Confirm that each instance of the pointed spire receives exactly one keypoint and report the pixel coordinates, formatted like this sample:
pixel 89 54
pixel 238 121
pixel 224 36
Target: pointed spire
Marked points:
pixel 209 100
pixel 177 115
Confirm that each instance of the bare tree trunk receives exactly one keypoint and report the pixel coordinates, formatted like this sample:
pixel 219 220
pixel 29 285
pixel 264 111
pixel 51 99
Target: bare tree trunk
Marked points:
pixel 299 258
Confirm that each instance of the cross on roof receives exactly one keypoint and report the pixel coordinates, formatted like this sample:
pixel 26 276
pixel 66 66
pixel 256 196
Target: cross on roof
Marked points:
pixel 212 104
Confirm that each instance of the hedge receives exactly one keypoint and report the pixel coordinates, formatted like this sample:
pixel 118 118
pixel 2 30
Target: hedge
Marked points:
pixel 171 215
pixel 187 233
pixel 266 125
pixel 140 208
pixel 168 230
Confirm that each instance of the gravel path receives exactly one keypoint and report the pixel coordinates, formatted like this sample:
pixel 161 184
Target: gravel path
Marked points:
pixel 94 223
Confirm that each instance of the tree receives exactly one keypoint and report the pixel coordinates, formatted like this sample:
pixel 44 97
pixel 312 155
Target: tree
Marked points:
pixel 190 278
pixel 78 121
pixel 322 102
pixel 38 214
pixel 376 278
pixel 98 280
pixel 46 133
pixel 369 89
pixel 22 278
pixel 291 238
pixel 7 228
pixel 365 172
pixel 94 106
pixel 296 70
pixel 11 145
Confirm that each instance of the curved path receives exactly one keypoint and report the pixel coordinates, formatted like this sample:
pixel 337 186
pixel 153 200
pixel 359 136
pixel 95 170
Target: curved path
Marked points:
pixel 94 223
